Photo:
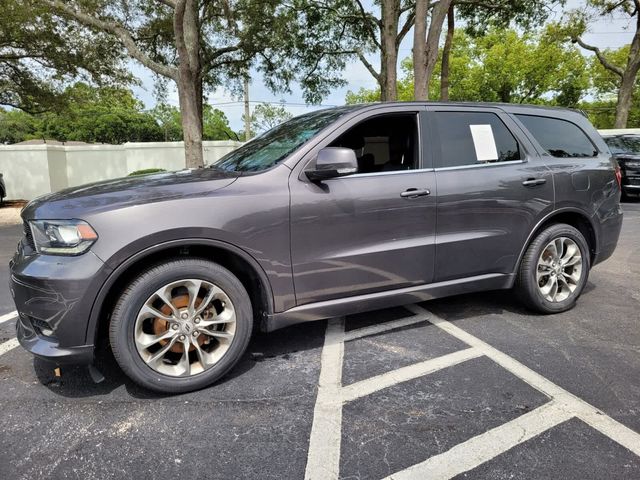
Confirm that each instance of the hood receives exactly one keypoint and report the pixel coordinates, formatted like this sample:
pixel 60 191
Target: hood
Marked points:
pixel 123 192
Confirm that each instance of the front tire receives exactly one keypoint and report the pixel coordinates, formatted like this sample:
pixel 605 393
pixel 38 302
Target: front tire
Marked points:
pixel 554 270
pixel 181 325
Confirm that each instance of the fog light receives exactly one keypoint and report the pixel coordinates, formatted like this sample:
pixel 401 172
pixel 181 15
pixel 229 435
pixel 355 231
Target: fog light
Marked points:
pixel 43 327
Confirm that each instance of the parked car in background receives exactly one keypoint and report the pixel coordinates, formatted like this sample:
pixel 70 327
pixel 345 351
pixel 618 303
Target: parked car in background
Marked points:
pixel 332 213
pixel 626 150
pixel 3 189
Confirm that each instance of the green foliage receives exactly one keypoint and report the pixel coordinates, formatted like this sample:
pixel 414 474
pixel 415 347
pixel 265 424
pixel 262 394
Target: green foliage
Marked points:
pixel 266 116
pixel 40 54
pixel 503 66
pixel 214 122
pixel 94 115
pixel 146 171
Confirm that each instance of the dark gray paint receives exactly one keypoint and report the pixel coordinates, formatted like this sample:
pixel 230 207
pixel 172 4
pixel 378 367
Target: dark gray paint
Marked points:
pixel 347 245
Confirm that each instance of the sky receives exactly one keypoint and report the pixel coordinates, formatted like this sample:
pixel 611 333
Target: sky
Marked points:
pixel 605 33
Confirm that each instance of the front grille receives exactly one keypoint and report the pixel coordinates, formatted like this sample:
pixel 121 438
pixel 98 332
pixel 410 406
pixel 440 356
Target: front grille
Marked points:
pixel 28 235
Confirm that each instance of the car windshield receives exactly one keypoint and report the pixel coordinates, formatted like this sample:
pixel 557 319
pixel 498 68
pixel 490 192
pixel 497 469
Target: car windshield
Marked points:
pixel 624 145
pixel 272 147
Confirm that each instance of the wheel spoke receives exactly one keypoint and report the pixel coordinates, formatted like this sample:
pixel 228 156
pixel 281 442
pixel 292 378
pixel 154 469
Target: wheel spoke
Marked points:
pixel 160 353
pixel 148 311
pixel 570 253
pixel 559 246
pixel 576 259
pixel 214 292
pixel 194 288
pixel 202 356
pixel 166 298
pixel 216 333
pixel 146 340
pixel 184 360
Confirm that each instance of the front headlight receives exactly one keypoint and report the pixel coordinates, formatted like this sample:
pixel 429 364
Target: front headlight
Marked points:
pixel 62 237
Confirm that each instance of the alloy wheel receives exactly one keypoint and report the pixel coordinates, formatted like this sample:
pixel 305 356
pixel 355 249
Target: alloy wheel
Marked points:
pixel 185 327
pixel 559 269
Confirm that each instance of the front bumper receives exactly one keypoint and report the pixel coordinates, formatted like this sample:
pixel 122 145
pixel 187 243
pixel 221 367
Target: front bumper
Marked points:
pixel 54 296
pixel 48 348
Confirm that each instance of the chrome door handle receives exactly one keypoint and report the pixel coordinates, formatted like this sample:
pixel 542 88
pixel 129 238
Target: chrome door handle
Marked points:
pixel 533 182
pixel 415 193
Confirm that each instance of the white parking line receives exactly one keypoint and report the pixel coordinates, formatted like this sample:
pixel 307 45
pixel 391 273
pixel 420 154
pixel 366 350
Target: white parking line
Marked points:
pixel 8 345
pixel 404 374
pixel 323 460
pixel 482 448
pixel 384 327
pixel 8 316
pixel 583 410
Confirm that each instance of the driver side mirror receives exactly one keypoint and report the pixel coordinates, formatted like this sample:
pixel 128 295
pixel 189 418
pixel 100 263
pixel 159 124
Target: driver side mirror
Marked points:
pixel 333 162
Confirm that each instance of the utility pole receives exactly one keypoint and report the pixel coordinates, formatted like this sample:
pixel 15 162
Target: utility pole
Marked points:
pixel 247 111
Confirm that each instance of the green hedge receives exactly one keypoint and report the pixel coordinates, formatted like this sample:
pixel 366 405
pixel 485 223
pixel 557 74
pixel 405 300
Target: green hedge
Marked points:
pixel 147 171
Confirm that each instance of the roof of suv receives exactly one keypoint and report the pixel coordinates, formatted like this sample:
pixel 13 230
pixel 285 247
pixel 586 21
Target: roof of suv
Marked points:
pixel 507 107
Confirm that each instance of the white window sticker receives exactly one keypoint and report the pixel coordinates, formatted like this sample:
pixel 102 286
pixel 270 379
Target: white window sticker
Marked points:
pixel 484 143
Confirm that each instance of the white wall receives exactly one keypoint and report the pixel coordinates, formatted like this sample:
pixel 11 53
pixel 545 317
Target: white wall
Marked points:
pixel 34 170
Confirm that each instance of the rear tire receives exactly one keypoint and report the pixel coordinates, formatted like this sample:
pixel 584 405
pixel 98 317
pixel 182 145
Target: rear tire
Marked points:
pixel 208 315
pixel 554 270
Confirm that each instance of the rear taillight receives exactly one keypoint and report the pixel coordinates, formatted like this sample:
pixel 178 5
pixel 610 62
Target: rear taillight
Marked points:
pixel 619 176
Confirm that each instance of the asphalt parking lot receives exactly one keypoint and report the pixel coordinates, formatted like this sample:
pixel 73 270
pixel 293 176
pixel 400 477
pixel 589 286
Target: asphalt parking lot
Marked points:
pixel 466 387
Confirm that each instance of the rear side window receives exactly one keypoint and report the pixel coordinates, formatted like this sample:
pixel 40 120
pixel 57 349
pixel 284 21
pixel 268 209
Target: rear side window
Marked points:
pixel 559 137
pixel 472 138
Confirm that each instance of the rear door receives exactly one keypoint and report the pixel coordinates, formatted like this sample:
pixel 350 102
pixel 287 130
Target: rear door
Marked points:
pixel 365 232
pixel 492 190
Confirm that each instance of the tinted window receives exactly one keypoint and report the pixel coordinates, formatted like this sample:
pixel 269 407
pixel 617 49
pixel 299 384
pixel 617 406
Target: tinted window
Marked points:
pixel 470 138
pixel 272 147
pixel 383 144
pixel 559 137
pixel 624 145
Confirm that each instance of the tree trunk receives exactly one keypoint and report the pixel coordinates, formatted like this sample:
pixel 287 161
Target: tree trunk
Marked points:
pixel 420 81
pixel 191 121
pixel 389 50
pixel 629 77
pixel 423 69
pixel 187 32
pixel 446 54
pixel 625 97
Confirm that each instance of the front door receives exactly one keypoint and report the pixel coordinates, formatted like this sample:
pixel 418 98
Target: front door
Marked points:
pixel 371 231
pixel 492 190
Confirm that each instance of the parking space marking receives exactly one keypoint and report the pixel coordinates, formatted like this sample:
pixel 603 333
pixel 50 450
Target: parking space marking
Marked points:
pixel 8 345
pixel 581 409
pixel 474 452
pixel 8 316
pixel 404 374
pixel 323 460
pixel 384 327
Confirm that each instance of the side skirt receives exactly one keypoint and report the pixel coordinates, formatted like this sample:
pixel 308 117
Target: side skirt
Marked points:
pixel 390 298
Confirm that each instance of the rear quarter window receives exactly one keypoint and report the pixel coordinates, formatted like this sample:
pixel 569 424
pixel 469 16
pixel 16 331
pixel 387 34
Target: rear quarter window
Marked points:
pixel 560 138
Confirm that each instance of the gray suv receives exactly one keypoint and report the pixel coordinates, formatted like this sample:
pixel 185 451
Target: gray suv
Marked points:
pixel 334 212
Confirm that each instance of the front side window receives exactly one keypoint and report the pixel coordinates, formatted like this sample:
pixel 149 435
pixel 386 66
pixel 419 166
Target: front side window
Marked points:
pixel 560 138
pixel 383 143
pixel 274 146
pixel 472 138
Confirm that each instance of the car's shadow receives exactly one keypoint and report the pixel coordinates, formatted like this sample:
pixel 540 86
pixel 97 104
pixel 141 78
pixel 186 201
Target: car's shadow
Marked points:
pixel 76 381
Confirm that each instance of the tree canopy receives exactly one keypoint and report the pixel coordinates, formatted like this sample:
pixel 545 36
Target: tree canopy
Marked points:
pixel 41 54
pixel 503 66
pixel 106 115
